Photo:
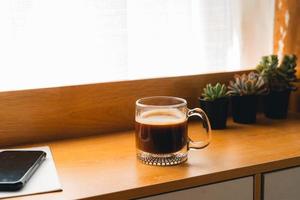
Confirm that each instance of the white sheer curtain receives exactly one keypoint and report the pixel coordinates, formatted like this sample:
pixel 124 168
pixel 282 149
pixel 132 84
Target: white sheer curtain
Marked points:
pixel 46 43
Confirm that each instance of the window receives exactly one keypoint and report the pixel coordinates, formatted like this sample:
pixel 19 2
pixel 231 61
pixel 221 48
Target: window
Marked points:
pixel 64 42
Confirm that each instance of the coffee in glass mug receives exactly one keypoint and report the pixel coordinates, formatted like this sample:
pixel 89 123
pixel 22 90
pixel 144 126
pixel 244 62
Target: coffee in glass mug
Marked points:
pixel 161 130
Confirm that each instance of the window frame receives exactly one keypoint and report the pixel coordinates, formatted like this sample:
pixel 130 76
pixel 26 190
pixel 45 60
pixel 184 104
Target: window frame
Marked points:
pixel 38 115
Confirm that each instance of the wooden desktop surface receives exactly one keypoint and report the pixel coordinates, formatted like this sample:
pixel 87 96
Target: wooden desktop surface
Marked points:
pixel 105 166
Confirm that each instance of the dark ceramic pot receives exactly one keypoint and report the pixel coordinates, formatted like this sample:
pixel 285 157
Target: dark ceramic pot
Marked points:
pixel 276 104
pixel 216 111
pixel 244 108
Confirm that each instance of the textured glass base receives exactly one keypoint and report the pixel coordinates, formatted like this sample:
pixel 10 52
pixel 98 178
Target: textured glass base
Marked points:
pixel 162 159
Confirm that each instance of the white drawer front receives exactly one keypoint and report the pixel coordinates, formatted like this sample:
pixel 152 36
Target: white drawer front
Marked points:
pixel 238 189
pixel 282 185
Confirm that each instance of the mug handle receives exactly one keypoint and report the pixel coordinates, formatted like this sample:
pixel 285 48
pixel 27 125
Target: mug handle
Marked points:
pixel 199 144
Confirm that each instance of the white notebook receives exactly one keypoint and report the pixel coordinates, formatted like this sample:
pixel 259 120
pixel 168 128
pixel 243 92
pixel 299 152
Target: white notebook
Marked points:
pixel 44 180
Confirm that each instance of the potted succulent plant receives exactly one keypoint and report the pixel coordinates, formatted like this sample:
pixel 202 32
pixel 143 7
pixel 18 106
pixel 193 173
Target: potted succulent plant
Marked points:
pixel 244 92
pixel 279 78
pixel 214 102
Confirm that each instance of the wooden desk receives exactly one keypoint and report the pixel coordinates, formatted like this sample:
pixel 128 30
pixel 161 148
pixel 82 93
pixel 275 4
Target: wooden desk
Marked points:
pixel 105 166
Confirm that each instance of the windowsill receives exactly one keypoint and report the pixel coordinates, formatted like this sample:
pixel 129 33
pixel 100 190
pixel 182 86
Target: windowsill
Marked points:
pixel 106 166
pixel 85 110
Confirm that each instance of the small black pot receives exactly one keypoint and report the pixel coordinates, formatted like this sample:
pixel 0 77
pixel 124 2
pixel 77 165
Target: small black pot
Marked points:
pixel 276 104
pixel 216 111
pixel 244 108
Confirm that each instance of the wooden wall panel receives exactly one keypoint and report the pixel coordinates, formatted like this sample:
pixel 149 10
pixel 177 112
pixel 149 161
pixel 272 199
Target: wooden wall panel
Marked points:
pixel 287 37
pixel 287 28
pixel 55 113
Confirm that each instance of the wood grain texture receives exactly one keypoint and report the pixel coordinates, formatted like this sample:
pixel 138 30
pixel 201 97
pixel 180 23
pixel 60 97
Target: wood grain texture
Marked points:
pixel 257 187
pixel 287 29
pixel 48 114
pixel 287 37
pixel 105 166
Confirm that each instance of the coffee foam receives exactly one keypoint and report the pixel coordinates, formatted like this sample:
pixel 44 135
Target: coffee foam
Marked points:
pixel 161 117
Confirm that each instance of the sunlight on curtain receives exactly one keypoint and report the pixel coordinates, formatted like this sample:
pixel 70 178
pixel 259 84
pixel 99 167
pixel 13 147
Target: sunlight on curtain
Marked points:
pixel 65 42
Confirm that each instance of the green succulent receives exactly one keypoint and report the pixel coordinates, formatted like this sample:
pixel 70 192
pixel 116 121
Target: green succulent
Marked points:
pixel 247 84
pixel 211 93
pixel 279 77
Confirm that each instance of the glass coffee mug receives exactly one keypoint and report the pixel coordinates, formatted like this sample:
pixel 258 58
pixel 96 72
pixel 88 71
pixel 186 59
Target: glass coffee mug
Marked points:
pixel 161 130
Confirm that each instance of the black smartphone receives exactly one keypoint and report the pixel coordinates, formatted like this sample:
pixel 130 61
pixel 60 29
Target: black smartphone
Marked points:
pixel 16 168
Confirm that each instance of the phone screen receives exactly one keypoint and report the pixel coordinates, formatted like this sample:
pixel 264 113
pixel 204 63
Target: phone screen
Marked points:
pixel 15 164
